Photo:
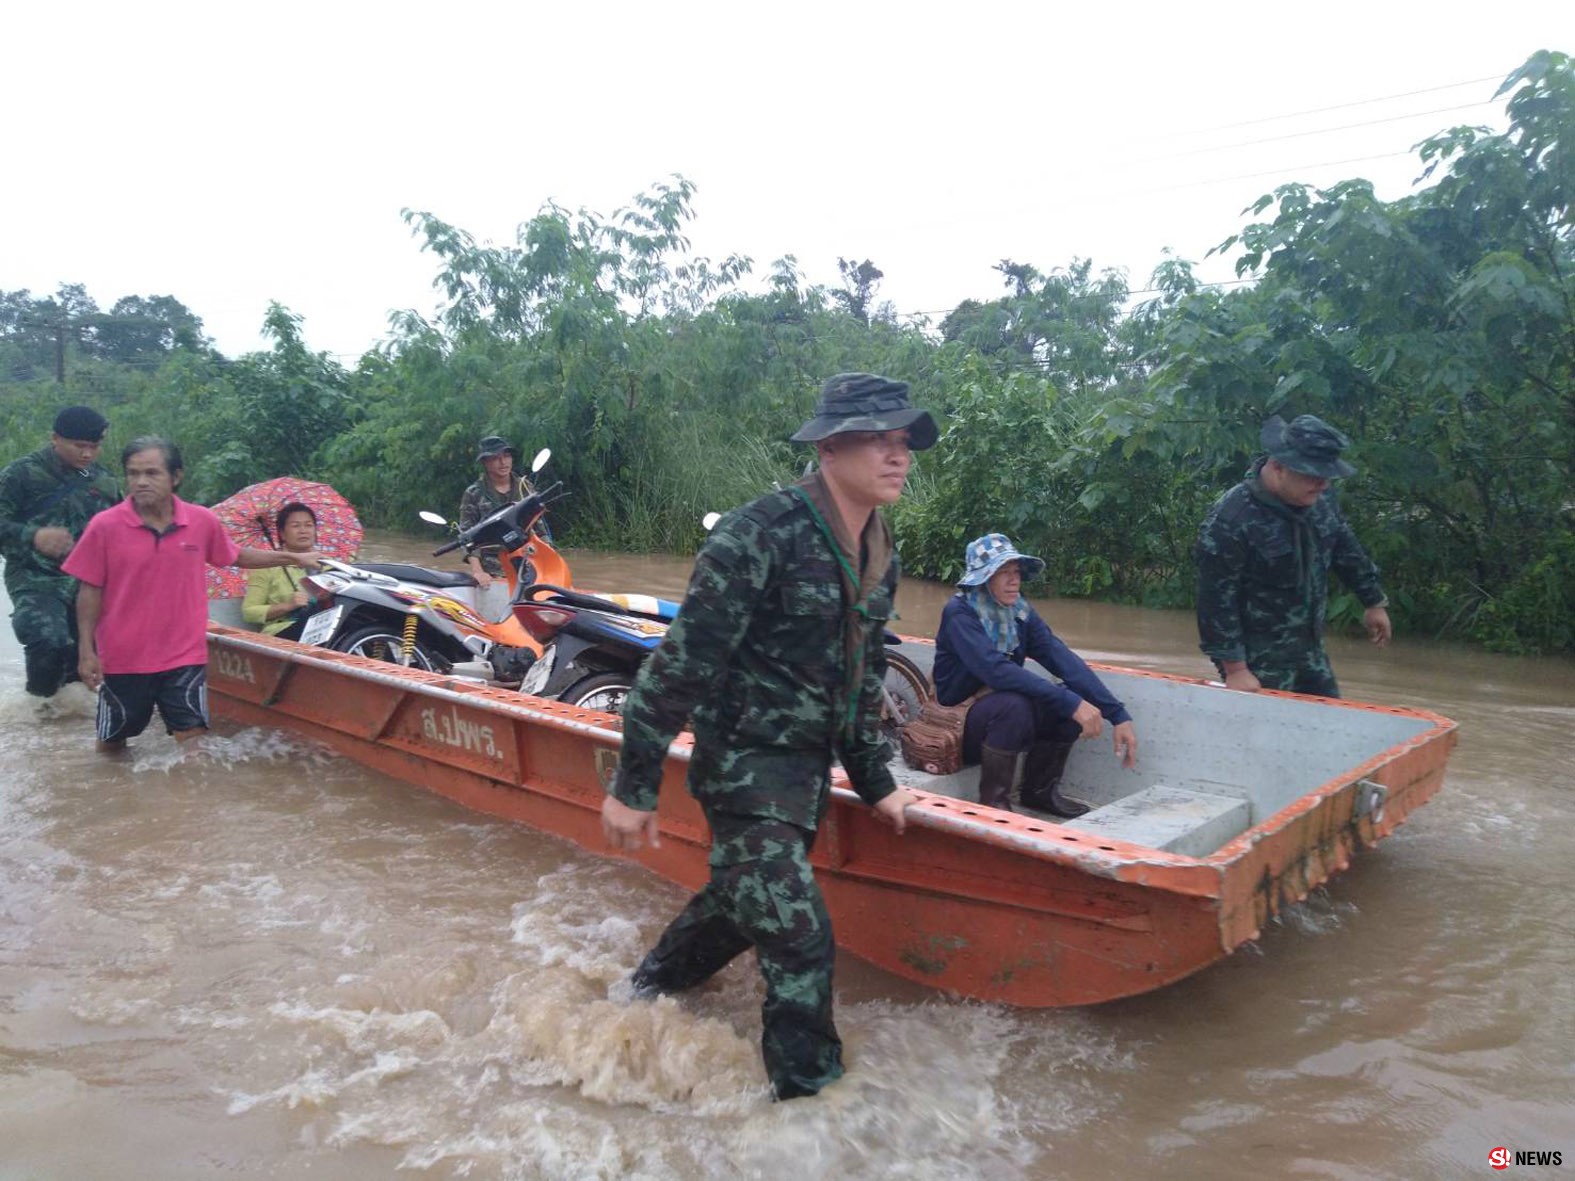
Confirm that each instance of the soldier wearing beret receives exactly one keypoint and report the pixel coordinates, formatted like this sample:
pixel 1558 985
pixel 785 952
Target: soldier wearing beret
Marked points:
pixel 46 500
pixel 1264 555
pixel 777 659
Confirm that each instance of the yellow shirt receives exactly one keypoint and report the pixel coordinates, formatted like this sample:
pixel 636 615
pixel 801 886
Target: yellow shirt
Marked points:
pixel 264 588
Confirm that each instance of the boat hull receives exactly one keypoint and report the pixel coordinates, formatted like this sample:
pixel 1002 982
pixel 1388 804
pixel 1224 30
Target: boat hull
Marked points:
pixel 973 901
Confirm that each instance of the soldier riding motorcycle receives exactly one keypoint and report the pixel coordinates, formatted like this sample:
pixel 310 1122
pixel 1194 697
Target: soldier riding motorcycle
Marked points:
pixel 425 618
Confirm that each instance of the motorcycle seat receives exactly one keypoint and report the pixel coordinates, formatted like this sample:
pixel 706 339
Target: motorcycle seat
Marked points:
pixel 418 574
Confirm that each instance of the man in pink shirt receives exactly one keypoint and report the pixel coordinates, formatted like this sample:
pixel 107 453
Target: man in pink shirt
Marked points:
pixel 142 610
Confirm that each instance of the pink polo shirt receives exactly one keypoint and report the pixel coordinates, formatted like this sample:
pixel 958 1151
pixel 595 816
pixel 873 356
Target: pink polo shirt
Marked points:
pixel 155 613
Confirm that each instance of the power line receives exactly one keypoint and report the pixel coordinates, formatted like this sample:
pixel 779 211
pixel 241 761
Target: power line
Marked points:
pixel 1215 180
pixel 1280 171
pixel 1362 102
pixel 1249 143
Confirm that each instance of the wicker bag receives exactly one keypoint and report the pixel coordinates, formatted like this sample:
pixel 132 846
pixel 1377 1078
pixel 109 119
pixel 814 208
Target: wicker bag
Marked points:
pixel 933 741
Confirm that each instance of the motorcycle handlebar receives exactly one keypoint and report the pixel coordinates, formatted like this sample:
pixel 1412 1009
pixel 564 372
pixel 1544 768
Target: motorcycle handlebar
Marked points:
pixel 465 538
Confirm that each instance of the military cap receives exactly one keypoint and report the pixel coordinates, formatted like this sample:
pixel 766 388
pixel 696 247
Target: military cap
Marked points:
pixel 1307 444
pixel 867 402
pixel 83 424
pixel 494 445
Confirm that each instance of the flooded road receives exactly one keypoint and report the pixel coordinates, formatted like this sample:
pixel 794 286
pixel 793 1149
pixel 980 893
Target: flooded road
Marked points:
pixel 258 960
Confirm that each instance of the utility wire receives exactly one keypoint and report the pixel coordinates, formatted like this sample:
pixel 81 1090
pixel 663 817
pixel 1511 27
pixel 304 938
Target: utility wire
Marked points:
pixel 1294 168
pixel 1270 139
pixel 1362 102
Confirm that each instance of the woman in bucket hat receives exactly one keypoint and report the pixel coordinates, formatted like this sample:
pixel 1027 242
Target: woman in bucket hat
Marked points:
pixel 988 630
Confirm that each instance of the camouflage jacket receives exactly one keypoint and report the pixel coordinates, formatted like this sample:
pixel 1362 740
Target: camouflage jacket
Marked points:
pixel 1263 575
pixel 756 661
pixel 480 501
pixel 39 490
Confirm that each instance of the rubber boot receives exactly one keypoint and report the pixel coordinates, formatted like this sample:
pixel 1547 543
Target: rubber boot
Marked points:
pixel 997 774
pixel 1042 781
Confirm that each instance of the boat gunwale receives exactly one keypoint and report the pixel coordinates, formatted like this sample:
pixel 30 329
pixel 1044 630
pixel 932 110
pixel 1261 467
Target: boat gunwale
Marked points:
pixel 1025 835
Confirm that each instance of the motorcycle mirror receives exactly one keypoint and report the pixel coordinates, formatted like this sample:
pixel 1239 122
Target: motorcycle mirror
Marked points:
pixel 432 518
pixel 710 520
pixel 541 459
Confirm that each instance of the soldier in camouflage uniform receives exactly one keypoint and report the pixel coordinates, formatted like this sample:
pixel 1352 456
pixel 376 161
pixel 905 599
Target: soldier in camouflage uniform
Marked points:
pixel 1264 555
pixel 46 499
pixel 497 488
pixel 777 658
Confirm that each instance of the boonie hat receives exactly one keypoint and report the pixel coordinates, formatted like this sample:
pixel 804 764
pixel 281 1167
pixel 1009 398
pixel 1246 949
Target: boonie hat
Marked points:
pixel 1308 445
pixel 985 555
pixel 494 445
pixel 867 402
pixel 83 424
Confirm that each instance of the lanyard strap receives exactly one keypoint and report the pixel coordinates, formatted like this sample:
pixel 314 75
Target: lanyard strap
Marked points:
pixel 852 647
pixel 859 605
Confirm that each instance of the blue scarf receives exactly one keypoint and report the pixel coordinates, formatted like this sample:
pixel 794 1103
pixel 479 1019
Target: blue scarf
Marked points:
pixel 1000 623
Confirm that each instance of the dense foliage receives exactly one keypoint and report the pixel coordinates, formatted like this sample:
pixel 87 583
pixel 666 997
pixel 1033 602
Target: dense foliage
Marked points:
pixel 1438 330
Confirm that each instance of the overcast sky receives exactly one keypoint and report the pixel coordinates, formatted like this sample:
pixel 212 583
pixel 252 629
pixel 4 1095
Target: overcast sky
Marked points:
pixel 232 154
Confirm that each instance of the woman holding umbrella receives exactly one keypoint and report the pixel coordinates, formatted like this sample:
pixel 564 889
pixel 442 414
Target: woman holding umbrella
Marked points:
pixel 275 598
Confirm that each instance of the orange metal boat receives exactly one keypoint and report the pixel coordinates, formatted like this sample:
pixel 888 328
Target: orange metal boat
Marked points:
pixel 1244 803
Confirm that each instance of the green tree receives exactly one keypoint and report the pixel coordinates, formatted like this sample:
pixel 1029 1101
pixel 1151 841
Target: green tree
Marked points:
pixel 142 328
pixel 859 281
pixel 1065 323
pixel 1439 330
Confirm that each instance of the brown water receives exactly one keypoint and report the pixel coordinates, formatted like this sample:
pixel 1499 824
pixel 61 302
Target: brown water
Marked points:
pixel 259 960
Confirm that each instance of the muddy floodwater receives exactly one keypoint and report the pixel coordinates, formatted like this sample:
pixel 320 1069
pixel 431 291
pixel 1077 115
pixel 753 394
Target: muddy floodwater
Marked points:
pixel 255 959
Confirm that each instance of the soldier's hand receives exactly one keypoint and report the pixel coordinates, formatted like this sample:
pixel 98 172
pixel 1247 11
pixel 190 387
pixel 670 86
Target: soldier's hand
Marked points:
pixel 893 808
pixel 1379 629
pixel 628 828
pixel 1089 719
pixel 89 671
pixel 1241 679
pixel 1124 736
pixel 52 541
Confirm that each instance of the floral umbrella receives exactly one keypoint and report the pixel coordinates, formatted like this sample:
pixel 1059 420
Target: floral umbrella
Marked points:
pixel 248 517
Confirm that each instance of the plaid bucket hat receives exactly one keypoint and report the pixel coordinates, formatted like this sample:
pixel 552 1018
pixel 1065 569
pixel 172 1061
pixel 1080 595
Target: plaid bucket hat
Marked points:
pixel 985 555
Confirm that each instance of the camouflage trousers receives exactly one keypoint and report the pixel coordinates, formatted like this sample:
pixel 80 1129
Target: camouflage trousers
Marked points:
pixel 1306 671
pixel 762 894
pixel 46 626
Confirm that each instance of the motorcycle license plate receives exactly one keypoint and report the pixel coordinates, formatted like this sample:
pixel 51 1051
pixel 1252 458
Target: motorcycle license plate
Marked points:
pixel 321 627
pixel 538 674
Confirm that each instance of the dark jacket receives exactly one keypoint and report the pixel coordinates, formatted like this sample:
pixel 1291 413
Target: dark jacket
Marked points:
pixel 755 660
pixel 1263 575
pixel 966 661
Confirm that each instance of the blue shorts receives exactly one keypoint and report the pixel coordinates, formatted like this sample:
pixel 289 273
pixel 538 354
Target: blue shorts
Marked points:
pixel 126 701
